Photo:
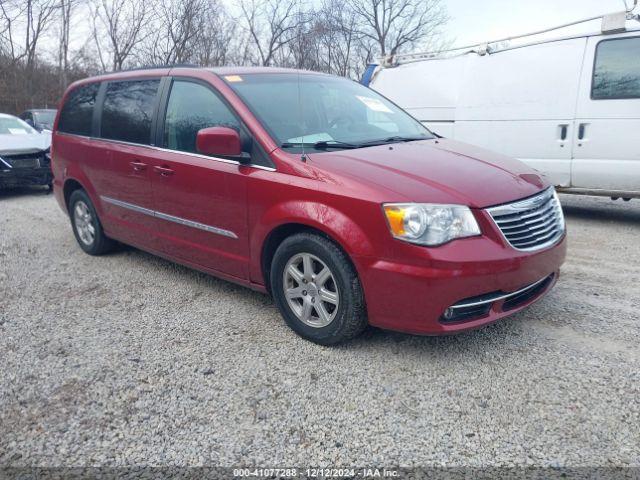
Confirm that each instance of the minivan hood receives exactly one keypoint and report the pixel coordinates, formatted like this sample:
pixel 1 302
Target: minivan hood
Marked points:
pixel 30 142
pixel 437 171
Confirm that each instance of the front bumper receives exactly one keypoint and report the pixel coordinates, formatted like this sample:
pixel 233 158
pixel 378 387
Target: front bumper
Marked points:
pixel 21 177
pixel 414 296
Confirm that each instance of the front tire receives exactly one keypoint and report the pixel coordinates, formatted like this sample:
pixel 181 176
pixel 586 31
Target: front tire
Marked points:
pixel 317 289
pixel 86 225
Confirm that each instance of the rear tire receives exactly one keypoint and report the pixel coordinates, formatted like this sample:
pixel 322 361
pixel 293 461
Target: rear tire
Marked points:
pixel 317 289
pixel 86 225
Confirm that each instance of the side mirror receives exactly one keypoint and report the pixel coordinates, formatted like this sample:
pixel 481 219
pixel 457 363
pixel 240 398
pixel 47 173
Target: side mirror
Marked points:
pixel 219 141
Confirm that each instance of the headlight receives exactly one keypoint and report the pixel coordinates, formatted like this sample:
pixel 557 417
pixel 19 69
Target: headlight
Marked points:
pixel 430 224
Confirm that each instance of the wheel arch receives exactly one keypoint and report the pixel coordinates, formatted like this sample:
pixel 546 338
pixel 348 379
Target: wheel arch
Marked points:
pixel 276 237
pixel 333 225
pixel 70 186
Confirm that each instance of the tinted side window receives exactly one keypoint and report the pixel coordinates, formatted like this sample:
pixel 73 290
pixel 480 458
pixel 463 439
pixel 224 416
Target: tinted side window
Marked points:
pixel 77 111
pixel 617 69
pixel 128 110
pixel 193 107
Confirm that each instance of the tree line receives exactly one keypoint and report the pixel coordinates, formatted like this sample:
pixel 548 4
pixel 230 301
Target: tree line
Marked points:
pixel 47 44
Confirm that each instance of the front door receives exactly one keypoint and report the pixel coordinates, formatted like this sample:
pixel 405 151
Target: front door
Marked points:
pixel 605 154
pixel 200 201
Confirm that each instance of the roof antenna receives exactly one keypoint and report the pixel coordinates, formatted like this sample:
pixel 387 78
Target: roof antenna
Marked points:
pixel 303 157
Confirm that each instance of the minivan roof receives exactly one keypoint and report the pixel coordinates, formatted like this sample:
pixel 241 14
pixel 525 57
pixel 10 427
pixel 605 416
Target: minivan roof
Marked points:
pixel 167 70
pixel 249 70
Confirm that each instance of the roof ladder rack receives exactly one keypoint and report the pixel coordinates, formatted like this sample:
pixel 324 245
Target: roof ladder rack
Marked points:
pixel 611 23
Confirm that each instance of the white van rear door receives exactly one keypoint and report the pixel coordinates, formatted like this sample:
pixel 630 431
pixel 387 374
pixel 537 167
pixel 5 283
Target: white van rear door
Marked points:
pixel 606 155
pixel 522 102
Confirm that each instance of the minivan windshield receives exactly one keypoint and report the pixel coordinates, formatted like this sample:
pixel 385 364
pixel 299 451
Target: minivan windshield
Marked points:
pixel 323 112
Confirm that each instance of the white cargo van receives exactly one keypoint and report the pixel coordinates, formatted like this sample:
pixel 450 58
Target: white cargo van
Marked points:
pixel 569 107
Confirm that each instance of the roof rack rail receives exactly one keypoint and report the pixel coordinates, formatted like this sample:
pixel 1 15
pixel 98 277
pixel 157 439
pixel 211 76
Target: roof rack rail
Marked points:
pixel 611 23
pixel 157 67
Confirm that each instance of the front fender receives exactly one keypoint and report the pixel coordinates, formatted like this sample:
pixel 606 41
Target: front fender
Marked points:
pixel 333 222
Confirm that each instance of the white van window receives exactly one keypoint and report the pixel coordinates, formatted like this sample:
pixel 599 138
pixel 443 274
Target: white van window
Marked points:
pixel 617 69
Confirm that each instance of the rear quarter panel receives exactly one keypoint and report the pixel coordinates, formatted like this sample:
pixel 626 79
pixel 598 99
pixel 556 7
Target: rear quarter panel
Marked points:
pixel 69 155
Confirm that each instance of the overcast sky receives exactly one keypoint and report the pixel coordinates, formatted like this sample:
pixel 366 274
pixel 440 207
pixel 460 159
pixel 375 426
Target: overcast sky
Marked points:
pixel 484 20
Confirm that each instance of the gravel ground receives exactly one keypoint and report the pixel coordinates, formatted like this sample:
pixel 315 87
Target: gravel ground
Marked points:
pixel 129 359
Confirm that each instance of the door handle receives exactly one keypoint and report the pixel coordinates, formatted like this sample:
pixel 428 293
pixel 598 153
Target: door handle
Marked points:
pixel 563 131
pixel 138 166
pixel 581 131
pixel 164 171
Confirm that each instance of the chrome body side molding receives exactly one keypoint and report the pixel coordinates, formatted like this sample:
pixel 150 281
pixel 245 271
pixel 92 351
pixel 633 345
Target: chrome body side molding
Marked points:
pixel 170 218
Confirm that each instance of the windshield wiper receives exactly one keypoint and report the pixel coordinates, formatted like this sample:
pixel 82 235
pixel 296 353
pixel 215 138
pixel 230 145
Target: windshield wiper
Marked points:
pixel 322 145
pixel 327 144
pixel 394 139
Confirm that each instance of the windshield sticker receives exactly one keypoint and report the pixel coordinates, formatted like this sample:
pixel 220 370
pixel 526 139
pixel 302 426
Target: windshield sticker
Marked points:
pixel 311 138
pixel 374 104
pixel 233 78
pixel 17 131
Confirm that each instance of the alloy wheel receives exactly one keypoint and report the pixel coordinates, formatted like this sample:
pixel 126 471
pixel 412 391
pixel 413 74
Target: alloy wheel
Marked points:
pixel 311 290
pixel 83 221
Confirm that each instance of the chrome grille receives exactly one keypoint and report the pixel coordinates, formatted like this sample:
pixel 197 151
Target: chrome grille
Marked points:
pixel 531 224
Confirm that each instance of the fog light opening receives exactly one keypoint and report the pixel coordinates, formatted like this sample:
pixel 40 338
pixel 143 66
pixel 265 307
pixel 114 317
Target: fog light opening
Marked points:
pixel 457 313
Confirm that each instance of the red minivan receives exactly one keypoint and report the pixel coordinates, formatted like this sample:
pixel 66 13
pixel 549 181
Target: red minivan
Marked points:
pixel 311 187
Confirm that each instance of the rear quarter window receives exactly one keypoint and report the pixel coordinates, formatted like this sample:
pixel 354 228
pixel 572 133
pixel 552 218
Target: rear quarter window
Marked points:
pixel 616 72
pixel 77 112
pixel 128 109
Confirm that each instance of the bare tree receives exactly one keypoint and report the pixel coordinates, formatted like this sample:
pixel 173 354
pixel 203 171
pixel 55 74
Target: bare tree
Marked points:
pixel 66 10
pixel 303 49
pixel 394 24
pixel 336 36
pixel 9 13
pixel 31 18
pixel 340 37
pixel 123 23
pixel 329 40
pixel 24 24
pixel 38 15
pixel 215 45
pixel 178 25
pixel 271 25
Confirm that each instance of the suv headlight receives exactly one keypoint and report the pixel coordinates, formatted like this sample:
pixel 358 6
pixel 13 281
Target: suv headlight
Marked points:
pixel 430 224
